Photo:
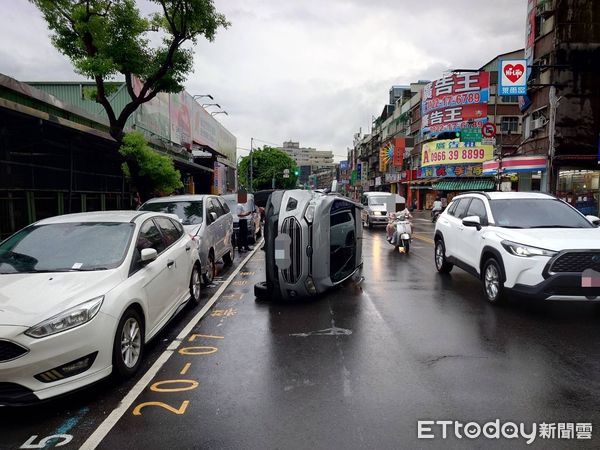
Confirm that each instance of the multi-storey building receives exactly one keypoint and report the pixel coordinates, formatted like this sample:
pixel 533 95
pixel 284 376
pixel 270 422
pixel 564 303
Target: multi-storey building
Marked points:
pixel 562 107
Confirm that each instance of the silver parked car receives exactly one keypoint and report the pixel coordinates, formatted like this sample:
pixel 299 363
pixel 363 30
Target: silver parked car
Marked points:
pixel 254 218
pixel 313 241
pixel 206 218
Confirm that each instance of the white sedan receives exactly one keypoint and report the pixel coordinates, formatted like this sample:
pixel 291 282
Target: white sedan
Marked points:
pixel 81 294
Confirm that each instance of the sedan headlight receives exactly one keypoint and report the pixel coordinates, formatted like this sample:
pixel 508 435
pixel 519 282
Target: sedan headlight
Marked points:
pixel 525 250
pixel 376 213
pixel 68 319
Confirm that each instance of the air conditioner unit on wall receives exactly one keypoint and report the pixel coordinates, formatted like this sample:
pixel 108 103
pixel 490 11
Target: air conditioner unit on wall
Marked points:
pixel 538 123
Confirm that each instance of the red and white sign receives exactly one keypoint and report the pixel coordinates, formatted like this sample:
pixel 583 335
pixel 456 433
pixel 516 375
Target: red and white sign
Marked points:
pixel 516 164
pixel 488 130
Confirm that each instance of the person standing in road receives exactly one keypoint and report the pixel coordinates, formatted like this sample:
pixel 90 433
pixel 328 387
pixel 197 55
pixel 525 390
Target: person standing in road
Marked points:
pixel 242 238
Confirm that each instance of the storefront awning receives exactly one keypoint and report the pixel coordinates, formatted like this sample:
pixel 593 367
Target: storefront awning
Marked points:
pixel 465 185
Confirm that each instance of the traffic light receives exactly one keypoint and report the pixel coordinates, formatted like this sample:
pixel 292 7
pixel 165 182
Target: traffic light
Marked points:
pixel 296 172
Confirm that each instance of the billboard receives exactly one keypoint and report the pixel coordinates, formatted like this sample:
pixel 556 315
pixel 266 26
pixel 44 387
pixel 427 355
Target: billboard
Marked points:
pixel 512 79
pixel 456 101
pixel 179 110
pixel 524 101
pixel 153 116
pixel 448 152
pixel 453 171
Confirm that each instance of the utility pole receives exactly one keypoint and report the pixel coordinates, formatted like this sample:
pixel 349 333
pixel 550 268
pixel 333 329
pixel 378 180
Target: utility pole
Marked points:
pixel 552 178
pixel 251 168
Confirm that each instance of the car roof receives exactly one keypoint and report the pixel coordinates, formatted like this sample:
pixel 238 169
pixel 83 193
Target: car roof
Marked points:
pixel 97 216
pixel 377 193
pixel 509 195
pixel 179 198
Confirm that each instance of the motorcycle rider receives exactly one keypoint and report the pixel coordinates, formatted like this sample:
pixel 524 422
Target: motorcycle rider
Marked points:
pixel 437 206
pixel 391 226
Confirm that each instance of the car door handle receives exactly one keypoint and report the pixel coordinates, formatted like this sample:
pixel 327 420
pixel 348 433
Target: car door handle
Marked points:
pixel 188 248
pixel 170 264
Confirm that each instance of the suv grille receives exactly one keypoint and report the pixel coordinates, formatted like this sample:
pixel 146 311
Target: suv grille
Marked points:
pixel 292 228
pixel 576 262
pixel 10 350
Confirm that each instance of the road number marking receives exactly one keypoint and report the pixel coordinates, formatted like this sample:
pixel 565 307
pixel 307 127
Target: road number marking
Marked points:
pixel 179 411
pixel 44 442
pixel 191 385
pixel 203 350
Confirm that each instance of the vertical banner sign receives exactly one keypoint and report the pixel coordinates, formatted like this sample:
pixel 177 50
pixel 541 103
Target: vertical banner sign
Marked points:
pixel 399 148
pixel 456 101
pixel 524 101
pixel 359 172
pixel 512 78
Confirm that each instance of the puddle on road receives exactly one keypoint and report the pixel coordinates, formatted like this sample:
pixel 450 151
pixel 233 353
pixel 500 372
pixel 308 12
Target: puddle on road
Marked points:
pixel 334 331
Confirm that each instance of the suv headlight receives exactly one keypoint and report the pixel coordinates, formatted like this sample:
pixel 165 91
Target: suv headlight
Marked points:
pixel 525 250
pixel 68 319
pixel 309 214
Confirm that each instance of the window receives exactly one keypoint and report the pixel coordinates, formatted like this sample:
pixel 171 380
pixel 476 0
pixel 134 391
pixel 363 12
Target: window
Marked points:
pixel 342 243
pixel 510 124
pixel 461 209
pixel 452 207
pixel 510 99
pixel 150 237
pixel 477 208
pixel 169 230
pixel 189 212
pixel 224 206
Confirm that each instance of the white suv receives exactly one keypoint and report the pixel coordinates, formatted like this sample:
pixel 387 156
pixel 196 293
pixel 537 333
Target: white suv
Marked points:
pixel 531 244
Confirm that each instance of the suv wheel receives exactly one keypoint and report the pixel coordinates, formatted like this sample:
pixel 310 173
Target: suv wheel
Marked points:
pixel 493 286
pixel 441 264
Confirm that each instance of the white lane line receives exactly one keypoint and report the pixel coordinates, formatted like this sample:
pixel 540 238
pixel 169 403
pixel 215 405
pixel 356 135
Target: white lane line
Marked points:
pixel 97 436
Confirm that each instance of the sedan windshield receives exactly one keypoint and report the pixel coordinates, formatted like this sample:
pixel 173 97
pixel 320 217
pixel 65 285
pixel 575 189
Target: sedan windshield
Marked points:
pixel 536 213
pixel 190 213
pixel 66 247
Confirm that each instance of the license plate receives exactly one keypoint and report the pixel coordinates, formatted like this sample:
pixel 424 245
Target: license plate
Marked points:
pixel 590 278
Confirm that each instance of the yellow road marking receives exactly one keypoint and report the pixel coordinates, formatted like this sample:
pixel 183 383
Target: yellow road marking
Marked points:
pixel 185 368
pixel 423 238
pixel 193 337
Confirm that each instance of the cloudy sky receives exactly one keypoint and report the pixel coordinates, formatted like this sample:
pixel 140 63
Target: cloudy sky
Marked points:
pixel 313 71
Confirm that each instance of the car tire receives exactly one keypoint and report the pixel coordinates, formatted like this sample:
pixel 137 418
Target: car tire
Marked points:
pixel 195 285
pixel 209 276
pixel 493 284
pixel 441 264
pixel 406 247
pixel 228 257
pixel 261 291
pixel 128 346
pixel 369 224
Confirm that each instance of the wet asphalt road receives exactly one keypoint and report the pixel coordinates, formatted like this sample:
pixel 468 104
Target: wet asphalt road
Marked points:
pixel 354 369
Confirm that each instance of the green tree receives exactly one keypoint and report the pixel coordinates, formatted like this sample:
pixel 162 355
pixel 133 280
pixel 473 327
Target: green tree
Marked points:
pixel 267 163
pixel 108 38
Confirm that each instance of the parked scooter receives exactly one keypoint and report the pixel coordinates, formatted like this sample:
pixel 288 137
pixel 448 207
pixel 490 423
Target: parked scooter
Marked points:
pixel 402 236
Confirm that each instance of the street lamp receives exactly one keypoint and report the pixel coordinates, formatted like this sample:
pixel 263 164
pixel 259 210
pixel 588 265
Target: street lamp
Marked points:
pixel 203 95
pixel 214 113
pixel 210 104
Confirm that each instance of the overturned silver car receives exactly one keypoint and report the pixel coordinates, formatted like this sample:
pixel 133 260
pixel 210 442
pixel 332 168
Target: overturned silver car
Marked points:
pixel 313 241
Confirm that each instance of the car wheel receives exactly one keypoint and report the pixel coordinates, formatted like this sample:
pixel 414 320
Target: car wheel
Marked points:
pixel 369 224
pixel 261 291
pixel 493 286
pixel 128 347
pixel 209 276
pixel 195 286
pixel 441 264
pixel 228 258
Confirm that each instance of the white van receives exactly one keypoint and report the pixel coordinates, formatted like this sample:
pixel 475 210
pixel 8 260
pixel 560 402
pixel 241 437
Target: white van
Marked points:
pixel 376 208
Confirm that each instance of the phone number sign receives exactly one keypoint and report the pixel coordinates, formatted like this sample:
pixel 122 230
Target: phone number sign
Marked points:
pixel 437 153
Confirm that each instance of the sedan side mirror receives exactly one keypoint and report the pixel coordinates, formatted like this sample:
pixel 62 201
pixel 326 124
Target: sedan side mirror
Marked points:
pixel 148 254
pixel 213 216
pixel 593 220
pixel 472 221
